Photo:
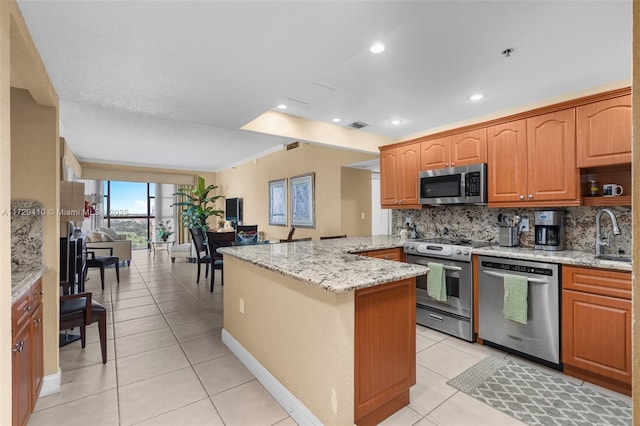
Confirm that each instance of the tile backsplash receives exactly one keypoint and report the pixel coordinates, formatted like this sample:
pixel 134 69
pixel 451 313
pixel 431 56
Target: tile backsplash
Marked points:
pixel 480 223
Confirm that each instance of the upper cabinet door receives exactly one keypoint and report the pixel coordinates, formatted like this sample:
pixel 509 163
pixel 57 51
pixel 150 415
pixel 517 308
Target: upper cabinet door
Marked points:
pixel 551 153
pixel 407 180
pixel 388 174
pixel 604 132
pixel 469 147
pixel 507 162
pixel 434 153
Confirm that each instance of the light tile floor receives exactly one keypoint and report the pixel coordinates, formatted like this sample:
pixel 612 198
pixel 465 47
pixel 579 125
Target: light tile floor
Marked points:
pixel 167 364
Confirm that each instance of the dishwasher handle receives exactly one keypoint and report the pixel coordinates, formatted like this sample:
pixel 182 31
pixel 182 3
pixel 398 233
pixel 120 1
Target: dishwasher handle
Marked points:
pixel 531 280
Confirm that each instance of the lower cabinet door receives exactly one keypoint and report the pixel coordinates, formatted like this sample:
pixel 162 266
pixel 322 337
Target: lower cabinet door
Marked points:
pixel 37 354
pixel 21 366
pixel 596 334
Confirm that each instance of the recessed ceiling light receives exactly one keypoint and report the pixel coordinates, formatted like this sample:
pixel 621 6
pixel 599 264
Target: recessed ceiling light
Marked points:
pixel 282 106
pixel 396 122
pixel 377 48
pixel 337 120
pixel 476 97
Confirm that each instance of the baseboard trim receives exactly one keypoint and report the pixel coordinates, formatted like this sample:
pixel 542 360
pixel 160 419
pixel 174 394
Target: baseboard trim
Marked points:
pixel 51 384
pixel 296 409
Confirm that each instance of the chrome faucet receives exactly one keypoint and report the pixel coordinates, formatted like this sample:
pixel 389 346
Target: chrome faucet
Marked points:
pixel 601 243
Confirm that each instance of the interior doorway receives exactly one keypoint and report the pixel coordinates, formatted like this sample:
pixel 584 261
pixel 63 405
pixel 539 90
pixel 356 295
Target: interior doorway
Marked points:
pixel 380 218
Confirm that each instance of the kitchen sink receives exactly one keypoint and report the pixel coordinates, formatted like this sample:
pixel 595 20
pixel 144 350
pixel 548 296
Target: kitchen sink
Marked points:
pixel 615 257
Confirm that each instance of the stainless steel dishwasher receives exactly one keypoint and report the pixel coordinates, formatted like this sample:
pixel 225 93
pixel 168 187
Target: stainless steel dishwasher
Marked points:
pixel 539 338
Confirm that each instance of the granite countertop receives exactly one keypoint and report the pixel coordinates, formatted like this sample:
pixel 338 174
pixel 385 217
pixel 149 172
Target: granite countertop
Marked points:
pixel 23 278
pixel 567 257
pixel 330 264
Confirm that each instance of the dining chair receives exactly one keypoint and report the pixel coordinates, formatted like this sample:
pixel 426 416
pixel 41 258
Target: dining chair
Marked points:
pixel 79 310
pixel 215 241
pixel 246 234
pixel 202 251
pixel 102 262
pixel 293 240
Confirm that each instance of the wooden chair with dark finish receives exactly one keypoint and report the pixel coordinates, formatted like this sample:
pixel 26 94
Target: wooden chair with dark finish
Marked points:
pixel 217 240
pixel 79 310
pixel 202 251
pixel 102 262
pixel 246 234
pixel 293 240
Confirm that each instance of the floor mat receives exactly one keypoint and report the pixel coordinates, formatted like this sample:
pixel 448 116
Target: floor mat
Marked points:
pixel 538 398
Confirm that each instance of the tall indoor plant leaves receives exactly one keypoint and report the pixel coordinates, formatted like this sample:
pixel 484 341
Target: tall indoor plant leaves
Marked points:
pixel 198 205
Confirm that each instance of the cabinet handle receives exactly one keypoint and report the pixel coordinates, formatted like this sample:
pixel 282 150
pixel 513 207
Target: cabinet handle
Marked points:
pixel 28 308
pixel 453 164
pixel 37 321
pixel 19 347
pixel 386 257
pixel 41 292
pixel 531 196
pixel 522 197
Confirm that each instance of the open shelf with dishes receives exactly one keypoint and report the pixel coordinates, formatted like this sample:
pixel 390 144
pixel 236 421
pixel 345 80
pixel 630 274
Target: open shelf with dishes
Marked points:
pixel 618 174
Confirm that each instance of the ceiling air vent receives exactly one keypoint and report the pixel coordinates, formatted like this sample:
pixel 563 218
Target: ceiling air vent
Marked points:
pixel 357 125
pixel 292 145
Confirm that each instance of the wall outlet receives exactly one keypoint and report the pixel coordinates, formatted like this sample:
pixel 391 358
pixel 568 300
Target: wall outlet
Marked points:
pixel 241 307
pixel 407 221
pixel 524 225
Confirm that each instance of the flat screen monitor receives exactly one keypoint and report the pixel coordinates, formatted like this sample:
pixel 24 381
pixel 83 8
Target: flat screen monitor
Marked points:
pixel 233 209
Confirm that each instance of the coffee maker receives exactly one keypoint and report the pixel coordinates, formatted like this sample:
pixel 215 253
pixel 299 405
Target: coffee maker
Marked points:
pixel 549 229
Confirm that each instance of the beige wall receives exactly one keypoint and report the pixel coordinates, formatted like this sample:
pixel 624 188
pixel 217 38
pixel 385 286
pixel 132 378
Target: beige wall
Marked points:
pixel 21 67
pixel 356 203
pixel 636 212
pixel 123 173
pixel 250 181
pixel 5 220
pixel 302 334
pixel 35 175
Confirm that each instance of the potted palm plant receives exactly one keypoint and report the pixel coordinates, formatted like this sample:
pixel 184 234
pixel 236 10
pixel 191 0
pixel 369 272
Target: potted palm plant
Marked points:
pixel 198 204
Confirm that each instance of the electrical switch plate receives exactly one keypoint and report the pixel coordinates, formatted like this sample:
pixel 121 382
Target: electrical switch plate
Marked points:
pixel 524 225
pixel 362 215
pixel 242 306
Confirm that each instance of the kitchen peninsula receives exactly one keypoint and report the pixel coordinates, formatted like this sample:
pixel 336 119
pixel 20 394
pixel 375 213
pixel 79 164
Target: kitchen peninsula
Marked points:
pixel 329 333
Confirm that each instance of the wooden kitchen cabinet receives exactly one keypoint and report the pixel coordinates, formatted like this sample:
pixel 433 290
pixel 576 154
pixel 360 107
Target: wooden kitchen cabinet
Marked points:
pixel 603 131
pixel 27 350
pixel 385 350
pixel 396 254
pixel 460 149
pixel 399 167
pixel 596 326
pixel 531 162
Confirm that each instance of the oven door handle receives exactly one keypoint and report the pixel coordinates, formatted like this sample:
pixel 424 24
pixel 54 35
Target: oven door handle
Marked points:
pixel 451 268
pixel 531 280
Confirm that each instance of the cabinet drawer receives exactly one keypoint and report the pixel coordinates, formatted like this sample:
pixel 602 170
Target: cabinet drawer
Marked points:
pixel 36 294
pixel 396 254
pixel 597 281
pixel 21 312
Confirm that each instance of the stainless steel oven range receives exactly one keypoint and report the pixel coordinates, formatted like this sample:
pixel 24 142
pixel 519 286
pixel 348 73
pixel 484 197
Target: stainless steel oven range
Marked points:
pixel 455 315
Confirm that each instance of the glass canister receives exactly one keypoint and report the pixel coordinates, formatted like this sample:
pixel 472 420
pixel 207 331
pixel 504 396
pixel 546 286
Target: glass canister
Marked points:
pixel 593 188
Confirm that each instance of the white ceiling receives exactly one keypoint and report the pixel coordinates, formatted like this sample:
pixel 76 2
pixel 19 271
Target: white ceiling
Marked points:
pixel 170 83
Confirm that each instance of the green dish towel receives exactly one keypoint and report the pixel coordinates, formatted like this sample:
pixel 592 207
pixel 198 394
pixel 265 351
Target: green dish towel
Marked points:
pixel 515 298
pixel 436 284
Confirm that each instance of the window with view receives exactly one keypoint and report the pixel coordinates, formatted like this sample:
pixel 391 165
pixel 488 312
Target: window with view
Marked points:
pixel 134 209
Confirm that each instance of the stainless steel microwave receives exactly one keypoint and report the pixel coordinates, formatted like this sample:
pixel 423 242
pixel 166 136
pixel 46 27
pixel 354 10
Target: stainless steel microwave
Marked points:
pixel 454 185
